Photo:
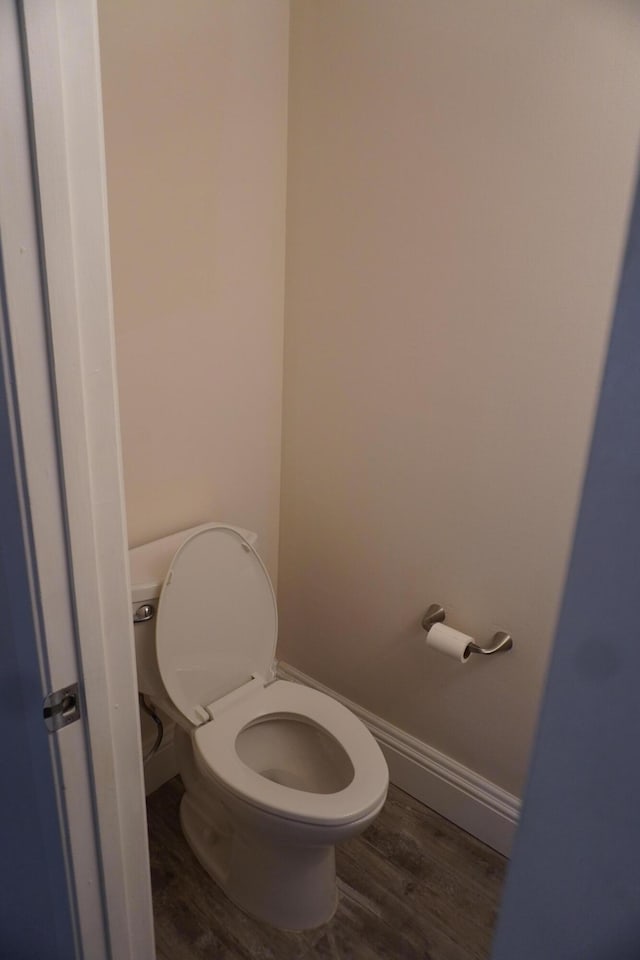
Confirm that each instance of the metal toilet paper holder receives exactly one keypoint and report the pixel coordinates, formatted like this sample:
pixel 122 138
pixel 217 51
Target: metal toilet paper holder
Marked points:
pixel 500 641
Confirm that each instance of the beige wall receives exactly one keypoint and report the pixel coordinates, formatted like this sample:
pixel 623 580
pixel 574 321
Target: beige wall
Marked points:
pixel 458 187
pixel 459 181
pixel 195 100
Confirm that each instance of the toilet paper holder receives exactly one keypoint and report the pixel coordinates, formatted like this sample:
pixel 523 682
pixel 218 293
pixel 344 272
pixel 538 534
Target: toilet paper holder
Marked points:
pixel 500 641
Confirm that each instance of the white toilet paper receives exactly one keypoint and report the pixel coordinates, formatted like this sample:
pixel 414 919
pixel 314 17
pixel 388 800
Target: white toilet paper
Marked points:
pixel 449 641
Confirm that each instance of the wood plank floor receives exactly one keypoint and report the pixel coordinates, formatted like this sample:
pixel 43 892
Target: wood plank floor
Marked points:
pixel 412 887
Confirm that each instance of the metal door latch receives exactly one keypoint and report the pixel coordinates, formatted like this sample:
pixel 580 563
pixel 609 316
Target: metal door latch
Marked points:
pixel 61 707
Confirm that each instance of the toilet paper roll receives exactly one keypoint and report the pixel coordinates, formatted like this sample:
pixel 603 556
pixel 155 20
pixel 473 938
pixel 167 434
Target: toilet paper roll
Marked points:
pixel 449 641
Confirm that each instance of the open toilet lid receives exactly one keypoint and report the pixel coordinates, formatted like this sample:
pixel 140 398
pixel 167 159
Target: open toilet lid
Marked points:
pixel 217 620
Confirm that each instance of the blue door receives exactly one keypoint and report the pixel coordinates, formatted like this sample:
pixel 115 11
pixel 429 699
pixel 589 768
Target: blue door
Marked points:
pixel 36 899
pixel 35 902
pixel 573 891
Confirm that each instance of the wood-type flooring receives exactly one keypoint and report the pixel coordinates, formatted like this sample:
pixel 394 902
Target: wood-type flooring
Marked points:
pixel 412 887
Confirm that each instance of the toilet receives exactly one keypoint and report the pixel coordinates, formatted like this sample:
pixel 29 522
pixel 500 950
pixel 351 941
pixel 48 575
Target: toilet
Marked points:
pixel 275 773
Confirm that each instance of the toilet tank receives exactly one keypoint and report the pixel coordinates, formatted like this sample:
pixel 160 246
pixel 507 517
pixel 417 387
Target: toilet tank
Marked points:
pixel 148 566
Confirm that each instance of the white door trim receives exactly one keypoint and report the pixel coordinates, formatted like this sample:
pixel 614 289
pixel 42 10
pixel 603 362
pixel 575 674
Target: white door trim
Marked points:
pixel 34 542
pixel 61 40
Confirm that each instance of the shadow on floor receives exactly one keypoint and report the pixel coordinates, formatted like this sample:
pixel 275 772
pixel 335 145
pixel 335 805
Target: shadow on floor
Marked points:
pixel 412 887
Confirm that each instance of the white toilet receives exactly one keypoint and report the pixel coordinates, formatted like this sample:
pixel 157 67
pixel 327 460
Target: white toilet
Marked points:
pixel 275 773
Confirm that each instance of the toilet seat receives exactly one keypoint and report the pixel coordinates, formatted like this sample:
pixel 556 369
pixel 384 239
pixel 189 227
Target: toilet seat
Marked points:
pixel 217 620
pixel 217 757
pixel 216 630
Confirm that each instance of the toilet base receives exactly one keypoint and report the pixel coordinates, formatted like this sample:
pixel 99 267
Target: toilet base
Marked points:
pixel 210 845
pixel 292 887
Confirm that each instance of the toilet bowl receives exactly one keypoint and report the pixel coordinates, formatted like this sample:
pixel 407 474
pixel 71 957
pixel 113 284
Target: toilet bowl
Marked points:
pixel 275 773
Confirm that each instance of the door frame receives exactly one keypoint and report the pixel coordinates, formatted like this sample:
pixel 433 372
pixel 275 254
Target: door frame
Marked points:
pixel 60 41
pixel 69 363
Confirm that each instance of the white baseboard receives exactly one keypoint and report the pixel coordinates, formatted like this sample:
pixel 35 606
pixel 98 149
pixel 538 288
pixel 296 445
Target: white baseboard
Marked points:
pixel 451 789
pixel 162 766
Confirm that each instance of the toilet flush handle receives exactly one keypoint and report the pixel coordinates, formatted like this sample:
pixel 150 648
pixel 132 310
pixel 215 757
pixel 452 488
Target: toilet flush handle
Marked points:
pixel 146 611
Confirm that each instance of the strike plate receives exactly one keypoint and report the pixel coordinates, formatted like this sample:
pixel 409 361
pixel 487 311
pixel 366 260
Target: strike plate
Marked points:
pixel 61 708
